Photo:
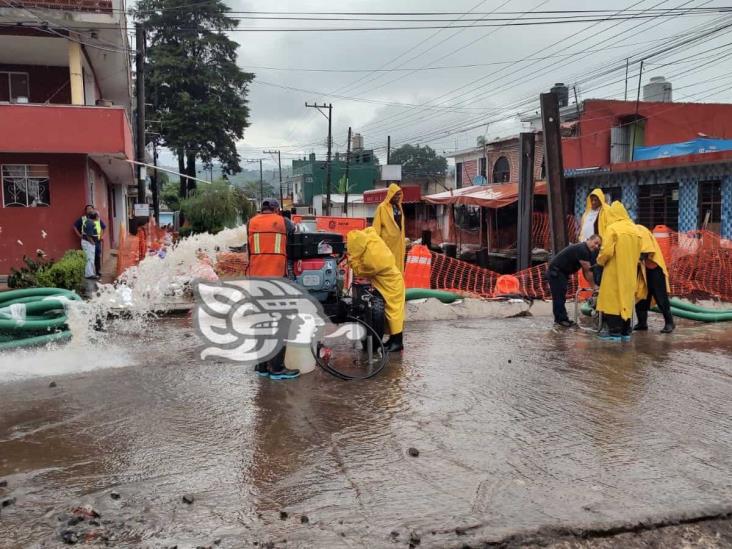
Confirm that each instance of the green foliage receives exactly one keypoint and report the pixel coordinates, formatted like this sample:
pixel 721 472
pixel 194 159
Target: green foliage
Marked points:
pixel 27 277
pixel 197 90
pixel 214 207
pixel 419 163
pixel 252 190
pixel 67 272
pixel 169 195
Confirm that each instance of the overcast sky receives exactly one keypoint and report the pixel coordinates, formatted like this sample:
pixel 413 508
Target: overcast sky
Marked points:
pixel 433 106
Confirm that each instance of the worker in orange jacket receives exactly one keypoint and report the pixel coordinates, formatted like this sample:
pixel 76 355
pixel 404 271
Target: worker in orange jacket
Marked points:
pixel 267 244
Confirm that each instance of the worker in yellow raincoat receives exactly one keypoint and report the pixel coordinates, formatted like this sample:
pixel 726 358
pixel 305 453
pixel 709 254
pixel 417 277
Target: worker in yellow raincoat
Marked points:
pixel 389 224
pixel 594 221
pixel 619 257
pixel 653 283
pixel 369 257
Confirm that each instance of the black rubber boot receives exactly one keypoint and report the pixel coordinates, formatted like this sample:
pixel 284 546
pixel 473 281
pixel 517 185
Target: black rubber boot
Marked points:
pixel 395 343
pixel 642 325
pixel 669 325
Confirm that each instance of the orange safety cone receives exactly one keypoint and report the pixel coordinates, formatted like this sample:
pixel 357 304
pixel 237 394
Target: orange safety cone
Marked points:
pixel 418 269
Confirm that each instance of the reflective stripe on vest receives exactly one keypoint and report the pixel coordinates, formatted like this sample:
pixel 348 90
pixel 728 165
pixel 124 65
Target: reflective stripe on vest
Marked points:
pixel 257 248
pixel 97 225
pixel 278 244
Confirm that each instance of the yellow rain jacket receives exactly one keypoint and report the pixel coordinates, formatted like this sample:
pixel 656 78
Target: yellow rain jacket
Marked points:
pixel 649 246
pixel 370 258
pixel 619 255
pixel 601 222
pixel 386 226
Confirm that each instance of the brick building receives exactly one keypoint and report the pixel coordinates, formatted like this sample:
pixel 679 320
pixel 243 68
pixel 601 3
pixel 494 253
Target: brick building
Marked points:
pixel 497 162
pixel 65 133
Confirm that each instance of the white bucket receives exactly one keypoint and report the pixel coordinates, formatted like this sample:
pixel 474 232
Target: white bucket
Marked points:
pixel 298 357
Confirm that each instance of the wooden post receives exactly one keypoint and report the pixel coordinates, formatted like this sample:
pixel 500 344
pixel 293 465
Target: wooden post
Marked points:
pixel 525 201
pixel 554 170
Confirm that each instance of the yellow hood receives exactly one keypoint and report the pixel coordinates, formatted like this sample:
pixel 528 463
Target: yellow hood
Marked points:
pixel 617 212
pixel 356 242
pixel 600 196
pixel 390 192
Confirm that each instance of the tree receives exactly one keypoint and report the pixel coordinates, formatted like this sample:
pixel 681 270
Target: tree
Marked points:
pixel 480 141
pixel 169 195
pixel 419 163
pixel 197 91
pixel 214 207
pixel 252 190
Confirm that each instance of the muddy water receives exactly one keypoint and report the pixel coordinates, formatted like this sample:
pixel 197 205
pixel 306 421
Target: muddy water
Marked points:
pixel 517 426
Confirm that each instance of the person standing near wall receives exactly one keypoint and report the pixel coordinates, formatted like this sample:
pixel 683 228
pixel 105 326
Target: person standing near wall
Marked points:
pixel 99 228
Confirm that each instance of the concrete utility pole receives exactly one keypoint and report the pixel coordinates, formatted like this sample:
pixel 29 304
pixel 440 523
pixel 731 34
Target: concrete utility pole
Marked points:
pixel 388 150
pixel 348 166
pixel 156 182
pixel 140 111
pixel 525 200
pixel 329 116
pixel 261 179
pixel 279 164
pixel 554 170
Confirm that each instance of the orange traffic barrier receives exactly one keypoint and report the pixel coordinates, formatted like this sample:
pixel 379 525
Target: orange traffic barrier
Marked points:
pixel 507 285
pixel 418 269
pixel 662 234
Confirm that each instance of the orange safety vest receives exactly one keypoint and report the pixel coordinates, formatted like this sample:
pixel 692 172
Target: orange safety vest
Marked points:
pixel 267 240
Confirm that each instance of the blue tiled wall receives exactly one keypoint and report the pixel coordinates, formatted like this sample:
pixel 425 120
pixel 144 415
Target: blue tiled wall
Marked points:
pixel 727 207
pixel 688 204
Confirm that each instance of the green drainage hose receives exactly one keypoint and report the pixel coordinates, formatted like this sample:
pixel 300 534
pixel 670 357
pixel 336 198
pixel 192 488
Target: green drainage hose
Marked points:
pixel 423 293
pixel 690 311
pixel 34 316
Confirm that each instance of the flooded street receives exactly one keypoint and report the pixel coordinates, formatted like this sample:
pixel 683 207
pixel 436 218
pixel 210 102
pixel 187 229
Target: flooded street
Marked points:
pixel 517 427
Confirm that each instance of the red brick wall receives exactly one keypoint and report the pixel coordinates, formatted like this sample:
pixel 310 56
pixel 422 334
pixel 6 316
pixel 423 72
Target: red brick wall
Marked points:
pixel 47 84
pixel 68 197
pixel 509 149
pixel 69 5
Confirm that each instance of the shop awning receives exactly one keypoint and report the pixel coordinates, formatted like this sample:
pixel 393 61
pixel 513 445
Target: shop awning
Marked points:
pixel 486 196
pixel 410 194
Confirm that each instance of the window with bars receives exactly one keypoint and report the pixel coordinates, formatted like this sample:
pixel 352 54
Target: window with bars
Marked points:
pixel 25 185
pixel 710 205
pixel 658 205
pixel 483 166
pixel 501 170
pixel 459 174
pixel 13 85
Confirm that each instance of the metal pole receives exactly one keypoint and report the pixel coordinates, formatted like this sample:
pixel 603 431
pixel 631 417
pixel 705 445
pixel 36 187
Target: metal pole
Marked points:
pixel 140 93
pixel 348 167
pixel 279 163
pixel 627 65
pixel 155 184
pixel 388 149
pixel 554 170
pixel 525 200
pixel 261 184
pixel 328 167
pixel 634 127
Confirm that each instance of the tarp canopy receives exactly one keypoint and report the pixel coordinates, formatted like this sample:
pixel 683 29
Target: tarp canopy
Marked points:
pixel 486 196
pixel 410 194
pixel 695 146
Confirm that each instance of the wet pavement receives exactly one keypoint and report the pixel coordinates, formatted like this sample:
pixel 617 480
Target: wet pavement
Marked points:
pixel 518 427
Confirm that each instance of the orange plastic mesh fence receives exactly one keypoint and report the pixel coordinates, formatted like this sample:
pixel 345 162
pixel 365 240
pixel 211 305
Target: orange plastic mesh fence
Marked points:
pixel 133 248
pixel 231 264
pixel 700 266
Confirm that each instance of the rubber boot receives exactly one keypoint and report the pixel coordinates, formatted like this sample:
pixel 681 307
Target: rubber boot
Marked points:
pixel 395 343
pixel 669 325
pixel 642 325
